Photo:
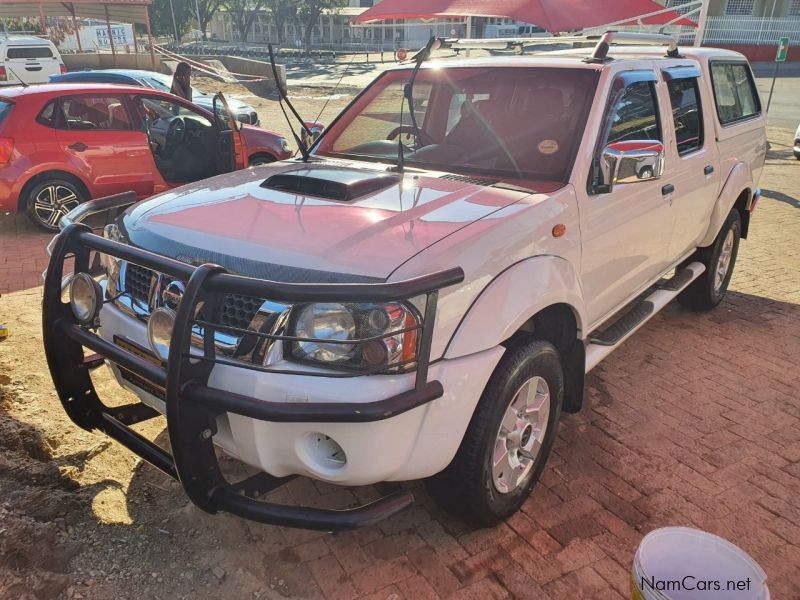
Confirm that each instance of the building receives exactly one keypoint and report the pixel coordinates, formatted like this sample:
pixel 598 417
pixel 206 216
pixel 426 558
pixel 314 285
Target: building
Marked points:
pixel 750 26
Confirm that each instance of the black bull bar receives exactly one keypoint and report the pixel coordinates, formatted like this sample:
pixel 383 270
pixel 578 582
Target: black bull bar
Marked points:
pixel 192 407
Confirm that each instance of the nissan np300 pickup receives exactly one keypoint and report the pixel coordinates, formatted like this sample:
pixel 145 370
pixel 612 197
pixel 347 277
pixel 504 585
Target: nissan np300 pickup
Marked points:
pixel 420 296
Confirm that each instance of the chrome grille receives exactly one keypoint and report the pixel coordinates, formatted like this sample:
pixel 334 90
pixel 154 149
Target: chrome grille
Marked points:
pixel 138 282
pixel 239 311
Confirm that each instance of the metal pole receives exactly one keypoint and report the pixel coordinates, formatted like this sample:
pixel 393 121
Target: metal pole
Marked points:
pixel 702 20
pixel 42 22
pixel 110 37
pixel 174 25
pixel 149 39
pixel 199 23
pixel 77 29
pixel 772 87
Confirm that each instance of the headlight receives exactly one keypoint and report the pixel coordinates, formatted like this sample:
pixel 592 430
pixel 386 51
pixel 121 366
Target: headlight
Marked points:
pixel 85 298
pixel 355 336
pixel 284 145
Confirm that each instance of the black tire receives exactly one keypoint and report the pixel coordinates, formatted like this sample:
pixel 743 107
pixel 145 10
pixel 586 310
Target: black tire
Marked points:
pixel 707 291
pixel 261 159
pixel 467 486
pixel 50 199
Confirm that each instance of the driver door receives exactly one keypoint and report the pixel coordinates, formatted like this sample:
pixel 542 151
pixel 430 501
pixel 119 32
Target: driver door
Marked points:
pixel 230 142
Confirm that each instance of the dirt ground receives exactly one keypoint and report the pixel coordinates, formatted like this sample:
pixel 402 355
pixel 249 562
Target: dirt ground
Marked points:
pixel 80 517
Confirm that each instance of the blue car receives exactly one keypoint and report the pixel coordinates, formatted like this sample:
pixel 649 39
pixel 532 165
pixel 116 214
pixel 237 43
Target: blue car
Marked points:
pixel 157 81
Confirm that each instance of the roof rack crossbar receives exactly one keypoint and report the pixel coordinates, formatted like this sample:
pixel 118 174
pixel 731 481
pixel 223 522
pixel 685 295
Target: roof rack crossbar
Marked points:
pixel 602 42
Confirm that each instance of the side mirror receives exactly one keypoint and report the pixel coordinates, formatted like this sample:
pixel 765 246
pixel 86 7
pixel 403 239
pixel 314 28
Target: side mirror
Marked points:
pixel 632 161
pixel 316 128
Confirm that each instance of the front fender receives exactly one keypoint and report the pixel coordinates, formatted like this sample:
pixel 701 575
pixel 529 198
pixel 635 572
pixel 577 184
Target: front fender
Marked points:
pixel 512 298
pixel 739 179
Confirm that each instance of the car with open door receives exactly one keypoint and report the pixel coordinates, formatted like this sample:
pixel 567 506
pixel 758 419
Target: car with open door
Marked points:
pixel 63 144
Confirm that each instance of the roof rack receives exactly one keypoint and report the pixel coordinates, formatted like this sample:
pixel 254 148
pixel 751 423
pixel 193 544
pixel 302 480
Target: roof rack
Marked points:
pixel 602 42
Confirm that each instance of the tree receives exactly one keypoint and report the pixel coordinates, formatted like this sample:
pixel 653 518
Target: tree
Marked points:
pixel 206 10
pixel 161 16
pixel 244 13
pixel 282 12
pixel 309 12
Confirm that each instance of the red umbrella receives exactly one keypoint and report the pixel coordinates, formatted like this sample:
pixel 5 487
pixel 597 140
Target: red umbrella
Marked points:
pixel 553 15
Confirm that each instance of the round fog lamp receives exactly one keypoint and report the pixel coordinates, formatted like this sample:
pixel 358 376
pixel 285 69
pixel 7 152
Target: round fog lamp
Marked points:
pixel 85 298
pixel 159 331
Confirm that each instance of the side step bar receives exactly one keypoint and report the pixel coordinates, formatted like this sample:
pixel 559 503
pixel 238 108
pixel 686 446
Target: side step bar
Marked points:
pixel 603 343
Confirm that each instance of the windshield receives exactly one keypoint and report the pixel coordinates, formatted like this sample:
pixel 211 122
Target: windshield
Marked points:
pixel 513 122
pixel 156 81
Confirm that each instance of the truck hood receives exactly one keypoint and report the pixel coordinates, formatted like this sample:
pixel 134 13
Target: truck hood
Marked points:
pixel 256 228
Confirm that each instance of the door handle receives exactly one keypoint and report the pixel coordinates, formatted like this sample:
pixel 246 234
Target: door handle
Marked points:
pixel 708 170
pixel 667 189
pixel 78 146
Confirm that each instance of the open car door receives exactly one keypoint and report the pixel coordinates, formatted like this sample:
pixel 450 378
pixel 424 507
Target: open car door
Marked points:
pixel 230 154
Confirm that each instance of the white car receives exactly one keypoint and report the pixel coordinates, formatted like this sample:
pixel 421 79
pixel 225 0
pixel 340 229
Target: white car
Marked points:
pixel 28 60
pixel 421 298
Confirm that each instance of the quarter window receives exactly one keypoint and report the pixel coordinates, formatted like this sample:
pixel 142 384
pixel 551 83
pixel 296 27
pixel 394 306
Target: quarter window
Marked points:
pixel 635 115
pixel 734 92
pixel 94 112
pixel 686 114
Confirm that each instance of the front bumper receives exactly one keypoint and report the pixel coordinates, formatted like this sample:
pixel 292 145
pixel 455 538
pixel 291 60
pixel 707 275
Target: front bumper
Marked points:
pixel 193 406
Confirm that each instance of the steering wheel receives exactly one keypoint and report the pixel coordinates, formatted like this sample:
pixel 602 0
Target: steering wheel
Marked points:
pixel 175 136
pixel 411 135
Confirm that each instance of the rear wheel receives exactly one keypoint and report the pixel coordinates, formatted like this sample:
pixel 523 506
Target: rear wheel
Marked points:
pixel 508 439
pixel 707 291
pixel 51 199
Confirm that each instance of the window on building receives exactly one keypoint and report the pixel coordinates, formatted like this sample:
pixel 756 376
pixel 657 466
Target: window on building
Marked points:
pixel 636 114
pixel 734 92
pixel 740 7
pixel 686 114
pixel 794 8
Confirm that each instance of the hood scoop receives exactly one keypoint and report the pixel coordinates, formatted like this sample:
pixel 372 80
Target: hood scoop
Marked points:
pixel 341 184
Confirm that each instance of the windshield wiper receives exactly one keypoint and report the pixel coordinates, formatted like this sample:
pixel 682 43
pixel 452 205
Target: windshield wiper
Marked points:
pixel 408 96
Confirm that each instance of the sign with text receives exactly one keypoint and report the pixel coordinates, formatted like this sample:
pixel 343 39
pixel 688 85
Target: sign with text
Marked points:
pixel 783 49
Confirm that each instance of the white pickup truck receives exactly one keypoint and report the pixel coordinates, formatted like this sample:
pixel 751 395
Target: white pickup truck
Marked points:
pixel 421 297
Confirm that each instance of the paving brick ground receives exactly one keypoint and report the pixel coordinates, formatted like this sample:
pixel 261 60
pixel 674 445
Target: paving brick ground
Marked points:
pixel 695 421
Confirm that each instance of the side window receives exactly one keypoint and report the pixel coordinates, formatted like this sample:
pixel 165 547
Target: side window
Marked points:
pixel 94 113
pixel 152 109
pixel 684 97
pixel 47 116
pixel 635 116
pixel 734 92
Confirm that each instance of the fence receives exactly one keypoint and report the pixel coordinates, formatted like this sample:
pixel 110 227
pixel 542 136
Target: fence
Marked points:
pixel 751 31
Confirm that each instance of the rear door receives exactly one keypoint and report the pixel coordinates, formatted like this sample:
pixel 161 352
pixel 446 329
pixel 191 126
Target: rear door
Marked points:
pixel 692 157
pixel 97 135
pixel 30 63
pixel 626 232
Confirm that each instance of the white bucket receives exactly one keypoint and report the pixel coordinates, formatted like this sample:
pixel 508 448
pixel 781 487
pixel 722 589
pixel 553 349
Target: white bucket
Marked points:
pixel 680 563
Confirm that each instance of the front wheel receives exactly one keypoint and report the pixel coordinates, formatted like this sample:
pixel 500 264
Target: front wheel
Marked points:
pixel 707 291
pixel 508 439
pixel 260 159
pixel 50 200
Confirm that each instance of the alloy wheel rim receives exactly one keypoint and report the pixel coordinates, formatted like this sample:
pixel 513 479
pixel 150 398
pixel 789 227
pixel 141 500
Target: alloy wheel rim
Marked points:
pixel 724 261
pixel 53 202
pixel 521 434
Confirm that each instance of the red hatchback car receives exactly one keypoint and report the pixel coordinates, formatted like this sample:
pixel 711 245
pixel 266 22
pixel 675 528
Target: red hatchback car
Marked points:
pixel 62 144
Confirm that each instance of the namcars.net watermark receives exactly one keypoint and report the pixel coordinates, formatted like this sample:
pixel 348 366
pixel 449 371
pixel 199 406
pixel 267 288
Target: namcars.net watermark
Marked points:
pixel 690 583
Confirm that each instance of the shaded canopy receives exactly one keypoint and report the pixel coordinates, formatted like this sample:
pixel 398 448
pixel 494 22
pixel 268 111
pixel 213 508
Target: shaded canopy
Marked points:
pixel 553 15
pixel 122 11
